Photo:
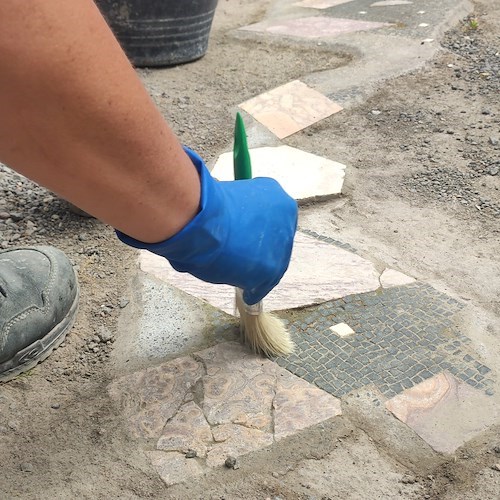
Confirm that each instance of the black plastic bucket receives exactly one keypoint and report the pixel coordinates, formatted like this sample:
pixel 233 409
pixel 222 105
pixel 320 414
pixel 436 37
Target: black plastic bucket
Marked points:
pixel 160 32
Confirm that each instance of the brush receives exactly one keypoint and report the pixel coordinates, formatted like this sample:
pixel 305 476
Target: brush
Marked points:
pixel 262 331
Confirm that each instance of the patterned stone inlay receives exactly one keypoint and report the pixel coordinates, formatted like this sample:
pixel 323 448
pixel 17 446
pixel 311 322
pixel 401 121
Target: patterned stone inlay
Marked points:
pixel 403 335
pixel 304 176
pixel 287 109
pixel 315 27
pixel 222 401
pixel 318 271
pixel 431 408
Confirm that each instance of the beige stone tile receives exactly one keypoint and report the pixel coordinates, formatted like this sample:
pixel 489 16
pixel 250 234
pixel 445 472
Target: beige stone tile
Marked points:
pixel 187 430
pixel 391 277
pixel 298 405
pixel 444 412
pixel 314 27
pixel 318 272
pixel 175 468
pixel 342 330
pixel 320 4
pixel 304 176
pixel 390 3
pixel 290 108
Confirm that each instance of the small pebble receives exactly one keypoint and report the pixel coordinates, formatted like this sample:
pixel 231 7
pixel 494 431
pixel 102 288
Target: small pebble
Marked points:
pixel 231 463
pixel 123 303
pixel 191 454
pixel 26 467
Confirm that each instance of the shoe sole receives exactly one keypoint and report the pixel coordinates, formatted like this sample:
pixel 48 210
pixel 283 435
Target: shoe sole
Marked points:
pixel 30 356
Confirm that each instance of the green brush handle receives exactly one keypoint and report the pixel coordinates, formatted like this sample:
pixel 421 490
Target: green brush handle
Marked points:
pixel 241 157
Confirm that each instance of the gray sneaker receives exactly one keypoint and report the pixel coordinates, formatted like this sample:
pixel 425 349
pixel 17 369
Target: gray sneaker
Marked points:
pixel 38 304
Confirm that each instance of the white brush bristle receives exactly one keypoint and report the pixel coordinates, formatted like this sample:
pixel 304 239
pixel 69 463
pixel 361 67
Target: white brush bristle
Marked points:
pixel 264 332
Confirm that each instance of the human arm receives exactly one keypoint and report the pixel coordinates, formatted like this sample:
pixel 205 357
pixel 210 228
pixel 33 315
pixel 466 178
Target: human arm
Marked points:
pixel 76 118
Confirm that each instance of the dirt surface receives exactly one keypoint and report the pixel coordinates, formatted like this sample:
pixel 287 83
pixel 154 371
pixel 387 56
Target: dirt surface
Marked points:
pixel 422 195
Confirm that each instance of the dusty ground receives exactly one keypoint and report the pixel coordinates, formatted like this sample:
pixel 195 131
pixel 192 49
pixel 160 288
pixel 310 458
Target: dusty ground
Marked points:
pixel 422 195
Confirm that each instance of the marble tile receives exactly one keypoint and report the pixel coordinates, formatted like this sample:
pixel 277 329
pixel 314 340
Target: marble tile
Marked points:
pixel 187 430
pixel 391 277
pixel 431 408
pixel 315 27
pixel 298 405
pixel 318 272
pixel 175 468
pixel 342 330
pixel 304 176
pixel 149 398
pixel 222 401
pixel 290 108
pixel 236 440
pixel 390 3
pixel 320 4
pixel 238 387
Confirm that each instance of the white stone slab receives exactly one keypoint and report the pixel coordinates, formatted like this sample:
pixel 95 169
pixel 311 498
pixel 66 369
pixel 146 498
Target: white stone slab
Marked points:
pixel 342 330
pixel 318 272
pixel 391 277
pixel 320 4
pixel 303 175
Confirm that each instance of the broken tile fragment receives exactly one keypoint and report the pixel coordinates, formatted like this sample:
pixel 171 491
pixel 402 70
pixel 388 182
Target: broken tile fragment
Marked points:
pixel 188 430
pixel 236 440
pixel 304 176
pixel 149 398
pixel 431 408
pixel 290 108
pixel 298 405
pixel 175 468
pixel 314 27
pixel 342 330
pixel 238 387
pixel 391 277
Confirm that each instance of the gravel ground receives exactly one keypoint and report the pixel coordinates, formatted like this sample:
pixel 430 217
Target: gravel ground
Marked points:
pixel 475 72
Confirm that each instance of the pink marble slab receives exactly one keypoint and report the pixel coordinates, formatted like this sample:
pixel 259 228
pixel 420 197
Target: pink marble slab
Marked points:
pixel 444 411
pixel 221 401
pixel 292 107
pixel 318 272
pixel 315 27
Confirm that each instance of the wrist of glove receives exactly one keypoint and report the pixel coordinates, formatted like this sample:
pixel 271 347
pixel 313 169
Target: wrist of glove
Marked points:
pixel 242 235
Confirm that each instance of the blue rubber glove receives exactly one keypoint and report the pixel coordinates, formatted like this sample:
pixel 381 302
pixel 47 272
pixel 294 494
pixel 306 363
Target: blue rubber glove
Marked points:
pixel 242 235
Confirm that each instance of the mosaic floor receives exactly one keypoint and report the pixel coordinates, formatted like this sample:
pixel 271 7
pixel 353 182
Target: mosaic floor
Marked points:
pixel 354 325
pixel 402 336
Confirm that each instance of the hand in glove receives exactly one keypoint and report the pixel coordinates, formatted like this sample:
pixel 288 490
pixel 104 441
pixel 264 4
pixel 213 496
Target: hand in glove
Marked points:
pixel 242 235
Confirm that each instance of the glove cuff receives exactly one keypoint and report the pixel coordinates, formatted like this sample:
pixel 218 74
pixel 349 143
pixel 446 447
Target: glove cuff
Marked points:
pixel 200 241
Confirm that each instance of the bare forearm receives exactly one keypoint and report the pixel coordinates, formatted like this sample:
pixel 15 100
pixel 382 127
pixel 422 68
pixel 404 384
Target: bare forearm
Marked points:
pixel 76 118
